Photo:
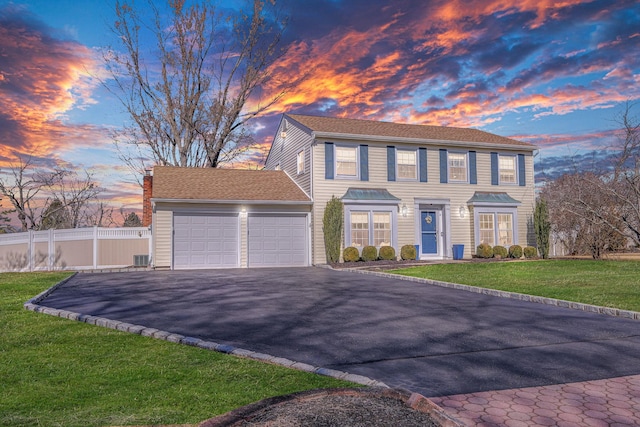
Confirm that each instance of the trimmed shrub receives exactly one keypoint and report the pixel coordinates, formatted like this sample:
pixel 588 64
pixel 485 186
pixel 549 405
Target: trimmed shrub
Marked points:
pixel 408 252
pixel 332 228
pixel 387 253
pixel 530 252
pixel 500 251
pixel 484 251
pixel 515 251
pixel 369 253
pixel 351 254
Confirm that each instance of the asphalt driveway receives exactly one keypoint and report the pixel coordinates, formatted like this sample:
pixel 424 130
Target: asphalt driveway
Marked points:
pixel 429 339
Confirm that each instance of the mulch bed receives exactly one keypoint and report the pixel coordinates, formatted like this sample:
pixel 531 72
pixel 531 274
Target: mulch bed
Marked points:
pixel 367 407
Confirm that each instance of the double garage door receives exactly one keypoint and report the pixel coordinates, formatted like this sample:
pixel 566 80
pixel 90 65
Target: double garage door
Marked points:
pixel 214 241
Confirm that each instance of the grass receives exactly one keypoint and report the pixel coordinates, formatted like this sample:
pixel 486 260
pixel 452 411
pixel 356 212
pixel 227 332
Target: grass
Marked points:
pixel 604 283
pixel 58 372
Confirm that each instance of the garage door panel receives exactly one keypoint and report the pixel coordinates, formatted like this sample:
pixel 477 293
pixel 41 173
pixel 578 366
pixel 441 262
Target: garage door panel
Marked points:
pixel 205 241
pixel 277 240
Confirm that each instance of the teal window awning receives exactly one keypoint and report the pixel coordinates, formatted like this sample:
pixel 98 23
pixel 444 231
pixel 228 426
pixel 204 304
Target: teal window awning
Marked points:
pixel 369 195
pixel 493 199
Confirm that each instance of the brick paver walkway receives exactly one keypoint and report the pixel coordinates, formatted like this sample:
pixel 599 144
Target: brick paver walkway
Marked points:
pixel 609 403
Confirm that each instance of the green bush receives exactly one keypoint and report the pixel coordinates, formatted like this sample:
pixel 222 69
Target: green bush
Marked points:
pixel 369 253
pixel 500 251
pixel 332 228
pixel 515 251
pixel 530 252
pixel 408 252
pixel 387 253
pixel 350 254
pixel 484 251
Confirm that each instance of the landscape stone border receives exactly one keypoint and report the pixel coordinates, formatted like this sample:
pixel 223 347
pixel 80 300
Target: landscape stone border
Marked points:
pixel 33 304
pixel 627 314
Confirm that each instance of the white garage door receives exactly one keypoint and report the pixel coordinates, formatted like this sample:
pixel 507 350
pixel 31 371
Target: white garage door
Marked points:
pixel 277 240
pixel 205 241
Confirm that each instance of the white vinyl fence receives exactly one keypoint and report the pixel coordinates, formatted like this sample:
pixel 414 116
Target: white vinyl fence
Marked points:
pixel 75 249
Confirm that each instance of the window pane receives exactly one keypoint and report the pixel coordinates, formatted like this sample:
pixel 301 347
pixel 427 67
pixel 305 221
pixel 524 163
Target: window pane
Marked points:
pixel 359 228
pixel 346 161
pixel 507 166
pixel 457 167
pixel 505 229
pixel 301 162
pixel 487 233
pixel 382 229
pixel 407 164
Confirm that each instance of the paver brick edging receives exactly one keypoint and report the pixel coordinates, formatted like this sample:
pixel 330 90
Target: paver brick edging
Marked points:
pixel 33 305
pixel 627 314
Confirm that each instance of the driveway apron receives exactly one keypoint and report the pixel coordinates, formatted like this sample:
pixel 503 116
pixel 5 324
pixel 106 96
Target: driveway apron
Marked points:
pixel 432 340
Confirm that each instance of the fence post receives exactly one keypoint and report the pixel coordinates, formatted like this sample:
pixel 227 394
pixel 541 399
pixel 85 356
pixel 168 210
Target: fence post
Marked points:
pixel 30 250
pixel 50 250
pixel 95 247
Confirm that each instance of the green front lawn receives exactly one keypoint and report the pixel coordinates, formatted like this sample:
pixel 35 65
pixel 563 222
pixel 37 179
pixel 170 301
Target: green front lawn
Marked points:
pixel 58 372
pixel 604 283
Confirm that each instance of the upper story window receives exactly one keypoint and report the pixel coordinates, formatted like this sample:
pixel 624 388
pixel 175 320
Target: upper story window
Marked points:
pixel 300 162
pixel 407 164
pixel 507 169
pixel 457 165
pixel 346 161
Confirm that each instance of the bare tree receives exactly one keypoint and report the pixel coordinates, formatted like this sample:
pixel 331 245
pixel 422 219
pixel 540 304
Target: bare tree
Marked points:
pixel 584 216
pixel 624 186
pixel 76 194
pixel 21 188
pixel 188 105
pixel 50 198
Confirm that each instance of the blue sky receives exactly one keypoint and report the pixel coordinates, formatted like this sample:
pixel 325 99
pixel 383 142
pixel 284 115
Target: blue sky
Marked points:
pixel 555 76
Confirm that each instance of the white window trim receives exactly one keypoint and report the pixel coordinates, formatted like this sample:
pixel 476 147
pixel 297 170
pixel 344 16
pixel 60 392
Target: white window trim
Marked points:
pixel 300 170
pixel 477 210
pixel 335 162
pixel 466 164
pixel 515 164
pixel 371 208
pixel 417 168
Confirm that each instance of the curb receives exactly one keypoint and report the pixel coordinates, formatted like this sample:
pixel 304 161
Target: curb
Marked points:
pixel 33 305
pixel 626 314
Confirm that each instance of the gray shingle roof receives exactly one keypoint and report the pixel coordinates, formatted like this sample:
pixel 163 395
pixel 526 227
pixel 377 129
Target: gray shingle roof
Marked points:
pixel 335 125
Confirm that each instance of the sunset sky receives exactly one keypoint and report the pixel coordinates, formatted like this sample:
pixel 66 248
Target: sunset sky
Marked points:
pixel 553 73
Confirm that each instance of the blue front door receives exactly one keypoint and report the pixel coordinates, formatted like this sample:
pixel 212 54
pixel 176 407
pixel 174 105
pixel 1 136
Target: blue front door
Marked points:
pixel 429 232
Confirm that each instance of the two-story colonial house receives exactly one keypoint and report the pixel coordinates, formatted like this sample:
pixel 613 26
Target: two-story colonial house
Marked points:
pixel 400 184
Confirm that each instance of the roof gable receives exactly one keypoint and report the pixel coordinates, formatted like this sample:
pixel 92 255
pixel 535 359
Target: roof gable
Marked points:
pixel 214 184
pixel 342 126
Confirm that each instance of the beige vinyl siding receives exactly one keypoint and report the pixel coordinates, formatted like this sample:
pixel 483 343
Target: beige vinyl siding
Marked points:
pixel 284 151
pixel 162 237
pixel 458 194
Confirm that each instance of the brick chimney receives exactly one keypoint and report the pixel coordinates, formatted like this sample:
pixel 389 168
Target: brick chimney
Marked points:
pixel 147 186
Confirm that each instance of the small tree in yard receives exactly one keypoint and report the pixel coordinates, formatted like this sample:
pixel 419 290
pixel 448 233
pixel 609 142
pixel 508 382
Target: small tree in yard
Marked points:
pixel 132 220
pixel 542 227
pixel 332 227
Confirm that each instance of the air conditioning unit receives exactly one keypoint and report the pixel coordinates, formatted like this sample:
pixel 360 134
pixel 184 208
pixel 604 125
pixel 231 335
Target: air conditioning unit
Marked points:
pixel 140 260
